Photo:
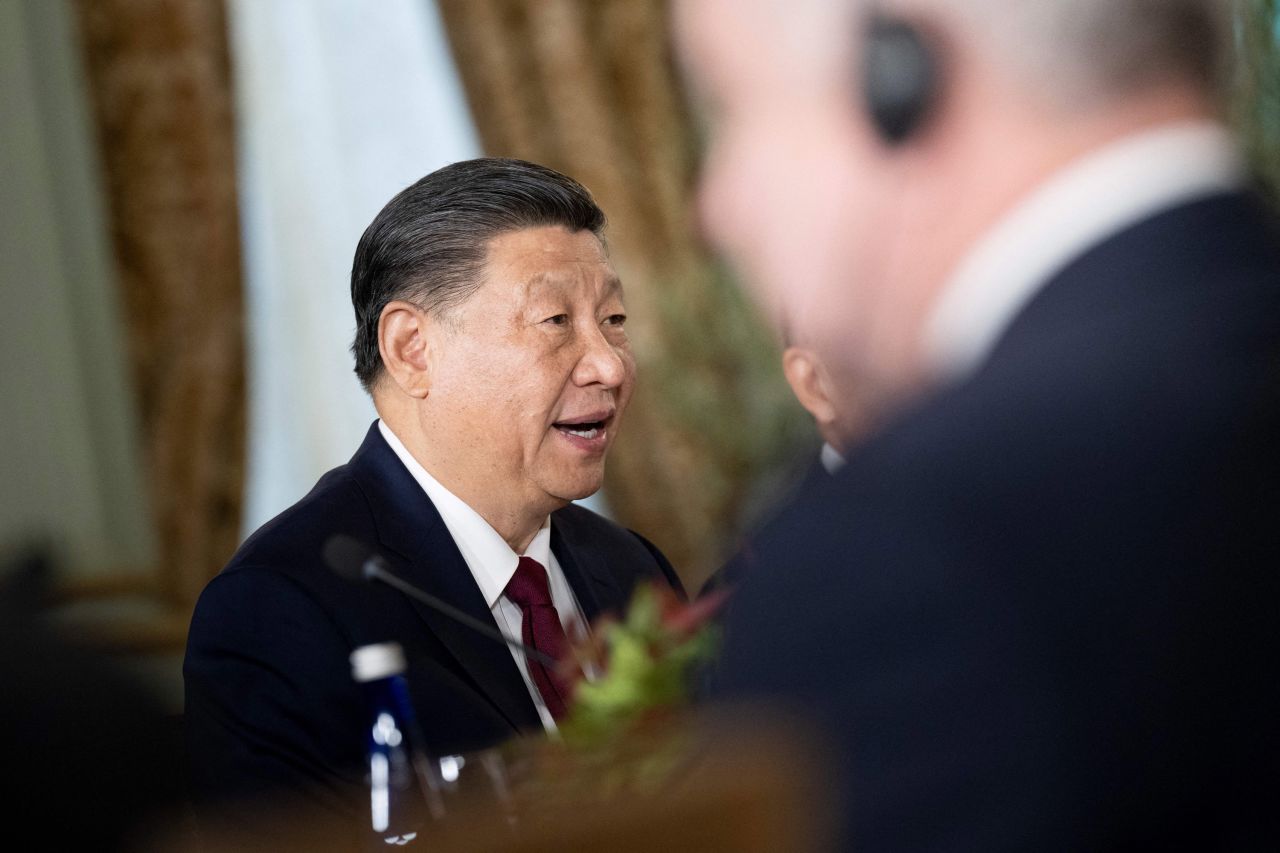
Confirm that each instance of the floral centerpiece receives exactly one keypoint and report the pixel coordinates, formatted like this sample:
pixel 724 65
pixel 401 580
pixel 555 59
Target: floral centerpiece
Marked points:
pixel 622 732
pixel 647 662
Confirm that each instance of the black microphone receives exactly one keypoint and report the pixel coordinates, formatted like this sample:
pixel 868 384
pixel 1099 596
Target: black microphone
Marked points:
pixel 351 559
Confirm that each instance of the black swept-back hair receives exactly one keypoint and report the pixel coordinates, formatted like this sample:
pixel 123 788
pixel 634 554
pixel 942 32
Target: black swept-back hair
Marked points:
pixel 428 245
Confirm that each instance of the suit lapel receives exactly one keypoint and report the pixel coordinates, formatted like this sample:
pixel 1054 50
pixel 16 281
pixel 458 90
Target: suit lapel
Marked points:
pixel 410 526
pixel 586 569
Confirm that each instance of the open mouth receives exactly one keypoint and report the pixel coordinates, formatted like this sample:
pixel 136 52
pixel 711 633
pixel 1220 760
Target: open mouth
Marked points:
pixel 584 430
pixel 587 427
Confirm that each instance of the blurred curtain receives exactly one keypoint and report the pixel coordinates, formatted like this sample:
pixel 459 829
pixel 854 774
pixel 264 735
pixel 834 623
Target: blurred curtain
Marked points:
pixel 340 105
pixel 589 87
pixel 159 82
pixel 70 469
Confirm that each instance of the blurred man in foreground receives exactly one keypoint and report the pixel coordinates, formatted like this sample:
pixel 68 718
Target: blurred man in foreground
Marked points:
pixel 1035 609
pixel 490 333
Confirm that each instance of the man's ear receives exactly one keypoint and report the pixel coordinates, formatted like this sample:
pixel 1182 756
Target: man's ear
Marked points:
pixel 403 330
pixel 809 383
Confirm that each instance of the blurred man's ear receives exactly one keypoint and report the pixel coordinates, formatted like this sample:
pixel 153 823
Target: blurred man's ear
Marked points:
pixel 810 384
pixel 403 332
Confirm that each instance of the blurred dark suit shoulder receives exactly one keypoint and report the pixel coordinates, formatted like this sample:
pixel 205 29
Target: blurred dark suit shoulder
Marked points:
pixel 1035 611
pixel 800 481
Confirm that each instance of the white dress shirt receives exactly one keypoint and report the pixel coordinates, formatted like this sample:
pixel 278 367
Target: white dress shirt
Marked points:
pixel 832 460
pixel 493 563
pixel 1091 199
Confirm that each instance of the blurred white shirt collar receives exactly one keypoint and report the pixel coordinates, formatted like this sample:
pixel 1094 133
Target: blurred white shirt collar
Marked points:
pixel 832 459
pixel 1088 201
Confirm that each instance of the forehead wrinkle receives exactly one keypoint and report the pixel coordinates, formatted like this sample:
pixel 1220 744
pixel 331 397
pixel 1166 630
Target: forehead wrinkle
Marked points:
pixel 561 277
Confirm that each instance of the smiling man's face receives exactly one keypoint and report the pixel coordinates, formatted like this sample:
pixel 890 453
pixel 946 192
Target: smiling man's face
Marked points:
pixel 531 374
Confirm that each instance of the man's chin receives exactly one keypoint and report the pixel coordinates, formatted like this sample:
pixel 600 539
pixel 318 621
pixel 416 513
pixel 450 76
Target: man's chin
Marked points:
pixel 576 488
pixel 580 494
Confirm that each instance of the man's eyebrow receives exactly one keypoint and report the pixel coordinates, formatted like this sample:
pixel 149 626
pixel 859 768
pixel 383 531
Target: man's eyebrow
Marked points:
pixel 612 286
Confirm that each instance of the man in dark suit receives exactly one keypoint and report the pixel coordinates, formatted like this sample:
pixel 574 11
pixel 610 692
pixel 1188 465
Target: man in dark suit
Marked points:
pixel 490 333
pixel 823 391
pixel 1036 608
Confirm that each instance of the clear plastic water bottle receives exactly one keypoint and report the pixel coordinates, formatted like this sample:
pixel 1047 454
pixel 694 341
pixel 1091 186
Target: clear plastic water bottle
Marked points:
pixel 404 784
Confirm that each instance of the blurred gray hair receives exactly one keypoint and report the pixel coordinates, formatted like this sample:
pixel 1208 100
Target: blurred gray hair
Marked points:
pixel 1077 53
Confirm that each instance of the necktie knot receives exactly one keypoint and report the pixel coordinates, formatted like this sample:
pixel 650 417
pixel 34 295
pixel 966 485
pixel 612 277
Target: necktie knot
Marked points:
pixel 528 586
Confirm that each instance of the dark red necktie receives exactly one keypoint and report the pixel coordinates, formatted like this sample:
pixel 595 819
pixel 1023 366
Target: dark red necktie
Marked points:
pixel 541 629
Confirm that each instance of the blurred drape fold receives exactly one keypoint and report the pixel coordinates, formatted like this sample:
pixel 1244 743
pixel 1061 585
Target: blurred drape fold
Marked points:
pixel 159 81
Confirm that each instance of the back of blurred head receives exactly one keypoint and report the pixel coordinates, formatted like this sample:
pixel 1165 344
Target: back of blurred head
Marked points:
pixel 847 223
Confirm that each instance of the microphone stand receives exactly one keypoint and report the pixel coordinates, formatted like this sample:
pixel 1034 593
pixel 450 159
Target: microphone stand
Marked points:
pixel 372 570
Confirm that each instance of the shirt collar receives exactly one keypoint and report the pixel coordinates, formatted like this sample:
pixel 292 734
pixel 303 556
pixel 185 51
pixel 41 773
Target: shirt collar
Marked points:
pixel 487 554
pixel 832 460
pixel 1089 200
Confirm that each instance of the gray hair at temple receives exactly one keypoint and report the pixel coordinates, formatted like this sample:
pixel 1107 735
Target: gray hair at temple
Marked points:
pixel 1082 53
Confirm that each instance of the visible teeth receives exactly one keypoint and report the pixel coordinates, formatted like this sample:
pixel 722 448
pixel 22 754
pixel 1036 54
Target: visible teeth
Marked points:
pixel 583 433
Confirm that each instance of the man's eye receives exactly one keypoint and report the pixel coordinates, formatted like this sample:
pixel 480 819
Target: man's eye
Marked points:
pixel 558 320
pixel 615 319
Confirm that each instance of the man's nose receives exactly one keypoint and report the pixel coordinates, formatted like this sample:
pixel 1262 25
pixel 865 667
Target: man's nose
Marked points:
pixel 600 362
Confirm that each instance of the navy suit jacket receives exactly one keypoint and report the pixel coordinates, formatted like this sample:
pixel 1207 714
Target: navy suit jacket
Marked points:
pixel 271 707
pixel 1038 611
